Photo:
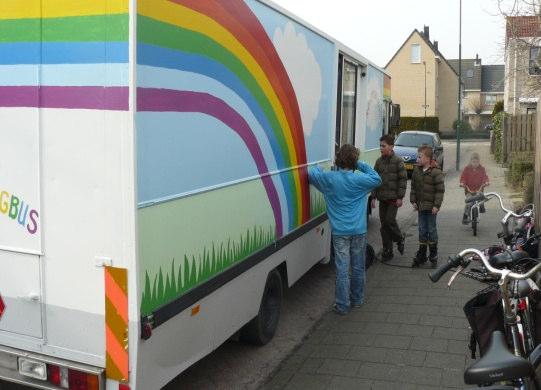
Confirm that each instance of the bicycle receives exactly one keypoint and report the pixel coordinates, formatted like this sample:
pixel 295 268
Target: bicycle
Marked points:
pixel 476 208
pixel 498 365
pixel 523 223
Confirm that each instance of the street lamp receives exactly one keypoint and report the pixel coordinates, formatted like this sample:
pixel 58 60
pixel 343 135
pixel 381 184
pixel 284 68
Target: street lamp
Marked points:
pixel 425 105
pixel 459 117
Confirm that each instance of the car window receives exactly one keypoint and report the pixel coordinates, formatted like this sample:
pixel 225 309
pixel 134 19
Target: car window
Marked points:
pixel 414 140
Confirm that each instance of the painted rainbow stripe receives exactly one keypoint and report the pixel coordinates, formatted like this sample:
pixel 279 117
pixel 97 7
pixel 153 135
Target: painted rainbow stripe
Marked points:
pixel 225 40
pixel 116 324
pixel 69 35
pixel 386 86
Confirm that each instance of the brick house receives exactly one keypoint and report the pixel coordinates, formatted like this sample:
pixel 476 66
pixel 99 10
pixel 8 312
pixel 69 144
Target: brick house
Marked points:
pixel 483 87
pixel 424 83
pixel 522 64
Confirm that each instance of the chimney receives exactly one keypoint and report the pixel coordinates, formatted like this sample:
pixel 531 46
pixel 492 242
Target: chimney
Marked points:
pixel 426 32
pixel 436 45
pixel 477 60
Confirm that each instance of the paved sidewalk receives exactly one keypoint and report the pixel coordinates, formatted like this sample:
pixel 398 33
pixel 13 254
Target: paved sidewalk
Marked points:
pixel 410 334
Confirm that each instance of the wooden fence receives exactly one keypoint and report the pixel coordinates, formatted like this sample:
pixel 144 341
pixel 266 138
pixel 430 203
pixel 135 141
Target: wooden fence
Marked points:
pixel 518 135
pixel 537 175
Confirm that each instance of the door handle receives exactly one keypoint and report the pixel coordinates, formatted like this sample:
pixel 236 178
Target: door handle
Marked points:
pixel 31 297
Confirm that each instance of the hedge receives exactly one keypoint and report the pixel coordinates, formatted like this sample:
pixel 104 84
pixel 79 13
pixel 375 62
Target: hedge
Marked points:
pixel 521 164
pixel 497 121
pixel 465 126
pixel 417 123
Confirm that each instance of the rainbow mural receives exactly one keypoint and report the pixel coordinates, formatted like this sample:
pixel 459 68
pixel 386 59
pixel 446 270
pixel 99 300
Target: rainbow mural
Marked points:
pixel 64 54
pixel 224 41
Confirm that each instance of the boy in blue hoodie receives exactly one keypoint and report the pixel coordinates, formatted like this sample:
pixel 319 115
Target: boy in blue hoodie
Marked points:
pixel 346 194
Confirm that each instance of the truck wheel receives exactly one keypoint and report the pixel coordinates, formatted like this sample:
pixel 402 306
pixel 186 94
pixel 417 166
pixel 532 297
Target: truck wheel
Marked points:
pixel 261 329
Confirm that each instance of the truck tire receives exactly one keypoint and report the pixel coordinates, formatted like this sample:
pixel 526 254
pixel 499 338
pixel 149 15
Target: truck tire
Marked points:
pixel 261 329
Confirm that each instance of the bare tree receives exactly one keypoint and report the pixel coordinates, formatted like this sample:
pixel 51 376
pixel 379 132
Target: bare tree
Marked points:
pixel 474 105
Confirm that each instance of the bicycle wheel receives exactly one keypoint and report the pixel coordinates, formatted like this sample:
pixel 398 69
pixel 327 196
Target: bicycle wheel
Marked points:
pixel 474 220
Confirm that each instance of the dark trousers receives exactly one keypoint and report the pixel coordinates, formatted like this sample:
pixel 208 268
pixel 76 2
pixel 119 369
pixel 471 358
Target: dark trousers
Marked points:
pixel 390 232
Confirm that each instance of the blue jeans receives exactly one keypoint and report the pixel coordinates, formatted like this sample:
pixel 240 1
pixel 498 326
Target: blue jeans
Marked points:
pixel 349 252
pixel 428 231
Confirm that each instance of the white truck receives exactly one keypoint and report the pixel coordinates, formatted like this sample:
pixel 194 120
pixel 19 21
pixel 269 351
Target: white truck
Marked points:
pixel 153 189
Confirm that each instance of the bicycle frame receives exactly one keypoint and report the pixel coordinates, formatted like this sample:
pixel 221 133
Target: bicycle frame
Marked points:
pixel 512 323
pixel 507 234
pixel 510 315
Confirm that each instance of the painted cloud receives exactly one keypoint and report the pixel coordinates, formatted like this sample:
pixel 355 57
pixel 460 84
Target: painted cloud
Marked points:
pixel 374 111
pixel 305 75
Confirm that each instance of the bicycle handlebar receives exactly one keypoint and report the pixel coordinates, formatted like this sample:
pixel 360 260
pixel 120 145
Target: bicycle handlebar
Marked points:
pixel 438 273
pixel 476 198
pixel 459 260
pixel 483 197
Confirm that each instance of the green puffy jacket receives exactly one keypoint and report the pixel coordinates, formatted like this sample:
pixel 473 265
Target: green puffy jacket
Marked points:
pixel 394 178
pixel 427 188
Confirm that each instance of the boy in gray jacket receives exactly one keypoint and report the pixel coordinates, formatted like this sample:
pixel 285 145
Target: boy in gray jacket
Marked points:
pixel 426 196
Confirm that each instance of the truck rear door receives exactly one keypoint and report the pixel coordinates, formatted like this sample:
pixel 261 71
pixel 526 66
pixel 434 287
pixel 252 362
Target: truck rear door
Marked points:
pixel 20 233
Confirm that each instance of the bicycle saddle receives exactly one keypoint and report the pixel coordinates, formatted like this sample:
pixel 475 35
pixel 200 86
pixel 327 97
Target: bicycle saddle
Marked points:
pixel 498 364
pixel 505 259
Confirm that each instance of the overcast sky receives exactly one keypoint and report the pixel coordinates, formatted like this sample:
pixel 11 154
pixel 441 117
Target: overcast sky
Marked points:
pixel 377 28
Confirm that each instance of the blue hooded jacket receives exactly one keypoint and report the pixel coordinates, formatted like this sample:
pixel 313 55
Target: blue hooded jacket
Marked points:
pixel 346 194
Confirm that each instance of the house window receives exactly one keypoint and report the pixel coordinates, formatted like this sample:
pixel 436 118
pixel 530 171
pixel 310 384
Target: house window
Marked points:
pixel 469 73
pixel 490 100
pixel 535 60
pixel 416 54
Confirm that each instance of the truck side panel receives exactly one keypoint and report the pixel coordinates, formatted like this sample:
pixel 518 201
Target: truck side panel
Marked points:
pixel 224 129
pixel 232 105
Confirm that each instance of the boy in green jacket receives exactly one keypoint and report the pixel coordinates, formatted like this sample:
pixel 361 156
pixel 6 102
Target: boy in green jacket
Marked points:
pixel 394 179
pixel 426 196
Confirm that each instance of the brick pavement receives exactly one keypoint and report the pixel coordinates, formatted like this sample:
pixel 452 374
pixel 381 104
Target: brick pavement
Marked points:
pixel 410 334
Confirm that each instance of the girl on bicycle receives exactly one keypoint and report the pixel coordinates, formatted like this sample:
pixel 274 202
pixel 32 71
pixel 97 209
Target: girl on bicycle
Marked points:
pixel 474 179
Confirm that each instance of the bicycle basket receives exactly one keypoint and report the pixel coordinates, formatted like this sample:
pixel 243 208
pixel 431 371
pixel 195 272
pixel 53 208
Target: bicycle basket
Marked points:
pixel 484 313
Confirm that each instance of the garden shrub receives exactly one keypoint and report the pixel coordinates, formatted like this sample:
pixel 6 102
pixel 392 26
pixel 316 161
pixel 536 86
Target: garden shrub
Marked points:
pixel 521 163
pixel 417 123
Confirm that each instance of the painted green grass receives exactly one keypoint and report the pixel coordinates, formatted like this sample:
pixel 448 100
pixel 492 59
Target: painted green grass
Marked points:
pixel 317 204
pixel 167 285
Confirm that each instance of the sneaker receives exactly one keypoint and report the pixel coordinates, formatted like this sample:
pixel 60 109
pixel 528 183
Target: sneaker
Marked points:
pixel 338 311
pixel 465 220
pixel 400 245
pixel 434 264
pixel 357 305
